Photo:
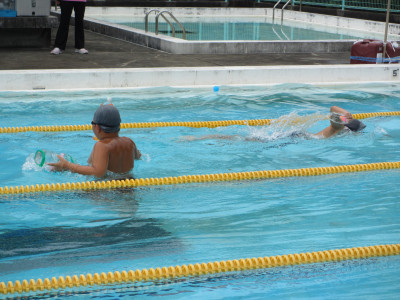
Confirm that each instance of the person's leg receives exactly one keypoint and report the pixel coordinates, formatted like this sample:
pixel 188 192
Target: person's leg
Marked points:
pixel 62 32
pixel 79 8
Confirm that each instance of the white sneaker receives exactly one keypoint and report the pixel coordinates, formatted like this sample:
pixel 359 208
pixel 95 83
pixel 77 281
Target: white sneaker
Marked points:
pixel 81 51
pixel 56 51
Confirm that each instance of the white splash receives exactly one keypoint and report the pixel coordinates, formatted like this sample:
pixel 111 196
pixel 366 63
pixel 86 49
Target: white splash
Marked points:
pixel 146 157
pixel 379 131
pixel 286 126
pixel 30 165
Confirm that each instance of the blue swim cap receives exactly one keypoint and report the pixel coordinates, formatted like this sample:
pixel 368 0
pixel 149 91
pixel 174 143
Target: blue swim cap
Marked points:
pixel 108 118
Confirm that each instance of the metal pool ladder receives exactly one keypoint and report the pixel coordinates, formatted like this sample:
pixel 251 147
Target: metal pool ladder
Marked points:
pixel 283 8
pixel 161 13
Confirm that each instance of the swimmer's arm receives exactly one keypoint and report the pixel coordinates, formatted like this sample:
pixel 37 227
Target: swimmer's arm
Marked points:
pixel 136 152
pixel 342 111
pixel 334 128
pixel 97 168
pixel 89 161
pixel 328 132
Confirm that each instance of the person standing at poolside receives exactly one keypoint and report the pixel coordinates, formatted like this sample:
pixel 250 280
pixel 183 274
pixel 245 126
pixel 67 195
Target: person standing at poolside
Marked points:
pixel 62 33
pixel 340 119
pixel 111 153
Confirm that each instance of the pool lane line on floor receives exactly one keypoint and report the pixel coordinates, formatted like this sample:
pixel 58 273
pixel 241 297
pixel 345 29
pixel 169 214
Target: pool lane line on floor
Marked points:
pixel 203 178
pixel 195 124
pixel 198 269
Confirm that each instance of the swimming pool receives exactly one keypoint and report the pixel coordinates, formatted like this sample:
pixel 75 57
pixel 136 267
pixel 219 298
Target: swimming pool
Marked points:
pixel 226 38
pixel 240 28
pixel 66 233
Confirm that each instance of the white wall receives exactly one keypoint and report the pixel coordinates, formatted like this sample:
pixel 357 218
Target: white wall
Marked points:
pixel 154 77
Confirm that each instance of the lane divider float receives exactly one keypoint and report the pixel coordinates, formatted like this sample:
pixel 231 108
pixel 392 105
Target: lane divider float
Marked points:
pixel 198 269
pixel 195 124
pixel 203 178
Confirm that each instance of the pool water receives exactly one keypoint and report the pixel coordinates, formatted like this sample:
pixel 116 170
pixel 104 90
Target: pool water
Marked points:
pixel 52 234
pixel 241 28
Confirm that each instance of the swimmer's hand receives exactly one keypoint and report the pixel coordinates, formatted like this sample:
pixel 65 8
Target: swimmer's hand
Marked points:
pixel 348 115
pixel 341 111
pixel 61 165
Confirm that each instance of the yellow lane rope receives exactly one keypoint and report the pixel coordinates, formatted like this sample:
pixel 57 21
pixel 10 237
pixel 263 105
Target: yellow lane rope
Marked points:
pixel 196 124
pixel 198 269
pixel 131 183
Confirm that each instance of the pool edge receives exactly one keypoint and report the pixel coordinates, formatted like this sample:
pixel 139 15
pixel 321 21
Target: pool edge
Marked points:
pixel 16 80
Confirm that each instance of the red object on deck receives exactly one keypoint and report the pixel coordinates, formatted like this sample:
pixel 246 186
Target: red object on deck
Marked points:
pixel 371 52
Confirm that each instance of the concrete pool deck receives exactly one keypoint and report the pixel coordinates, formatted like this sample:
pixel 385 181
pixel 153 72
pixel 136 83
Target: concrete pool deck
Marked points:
pixel 113 63
pixel 107 52
pixel 268 33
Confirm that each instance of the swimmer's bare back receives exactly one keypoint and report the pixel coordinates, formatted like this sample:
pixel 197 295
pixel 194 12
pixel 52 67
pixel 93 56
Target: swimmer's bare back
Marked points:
pixel 121 153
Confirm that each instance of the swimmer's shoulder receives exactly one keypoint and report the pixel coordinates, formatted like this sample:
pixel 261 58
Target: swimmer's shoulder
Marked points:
pixel 117 139
pixel 128 141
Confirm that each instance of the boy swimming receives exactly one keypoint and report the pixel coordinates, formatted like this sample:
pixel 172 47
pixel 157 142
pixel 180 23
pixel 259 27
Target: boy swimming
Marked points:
pixel 111 153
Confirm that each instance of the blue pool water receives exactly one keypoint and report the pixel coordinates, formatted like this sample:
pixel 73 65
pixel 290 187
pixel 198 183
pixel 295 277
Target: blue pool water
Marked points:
pixel 53 234
pixel 241 28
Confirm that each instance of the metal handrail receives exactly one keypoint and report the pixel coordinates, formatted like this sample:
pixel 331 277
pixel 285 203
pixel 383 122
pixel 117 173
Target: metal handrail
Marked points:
pixel 273 10
pixel 287 38
pixel 161 13
pixel 277 3
pixel 283 8
pixel 273 29
pixel 146 21
pixel 146 18
pixel 277 34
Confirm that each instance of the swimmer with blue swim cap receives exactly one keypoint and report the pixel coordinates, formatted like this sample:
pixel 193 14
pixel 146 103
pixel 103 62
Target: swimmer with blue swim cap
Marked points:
pixel 340 119
pixel 111 153
pixel 108 118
